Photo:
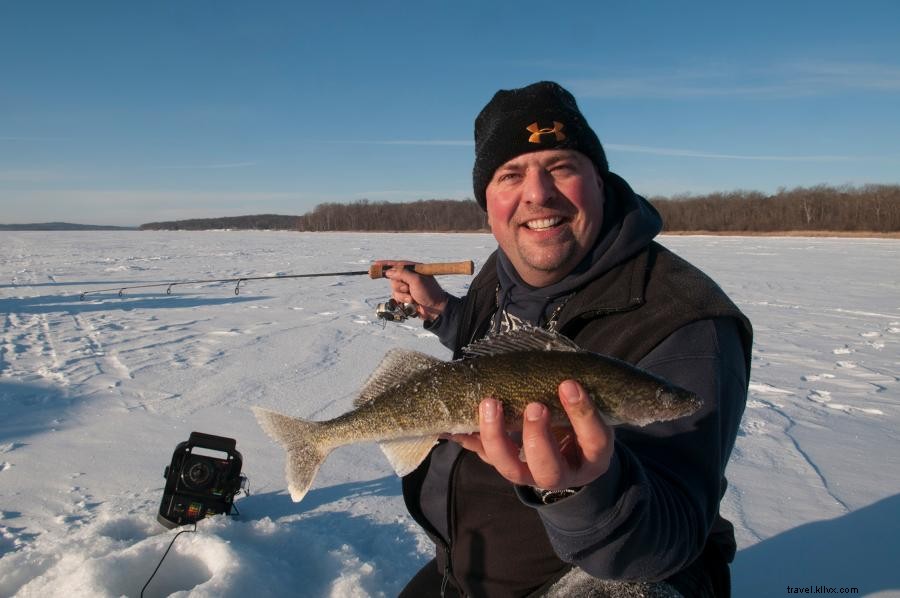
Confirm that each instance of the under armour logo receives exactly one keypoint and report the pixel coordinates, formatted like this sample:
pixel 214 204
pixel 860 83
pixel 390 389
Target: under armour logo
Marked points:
pixel 536 132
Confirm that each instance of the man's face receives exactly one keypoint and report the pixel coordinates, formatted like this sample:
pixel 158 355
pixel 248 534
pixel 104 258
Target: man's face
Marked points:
pixel 545 210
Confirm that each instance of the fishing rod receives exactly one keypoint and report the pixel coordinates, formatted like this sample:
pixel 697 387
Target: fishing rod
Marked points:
pixel 374 271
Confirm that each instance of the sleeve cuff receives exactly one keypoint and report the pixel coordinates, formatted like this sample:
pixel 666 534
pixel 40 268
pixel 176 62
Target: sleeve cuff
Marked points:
pixel 584 509
pixel 445 325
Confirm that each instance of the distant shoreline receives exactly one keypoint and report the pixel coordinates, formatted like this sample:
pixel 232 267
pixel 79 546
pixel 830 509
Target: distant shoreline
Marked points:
pixel 788 233
pixel 678 233
pixel 62 226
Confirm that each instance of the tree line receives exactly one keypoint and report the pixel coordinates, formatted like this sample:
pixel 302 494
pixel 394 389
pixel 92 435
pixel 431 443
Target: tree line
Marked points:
pixel 869 208
pixel 866 208
pixel 422 215
pixel 361 215
pixel 254 222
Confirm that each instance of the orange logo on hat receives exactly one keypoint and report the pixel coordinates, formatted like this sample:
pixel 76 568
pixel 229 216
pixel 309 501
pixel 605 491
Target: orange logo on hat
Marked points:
pixel 536 132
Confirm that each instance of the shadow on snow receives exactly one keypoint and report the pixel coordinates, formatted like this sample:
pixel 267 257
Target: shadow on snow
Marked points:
pixel 80 283
pixel 279 504
pixel 856 550
pixel 72 304
pixel 28 409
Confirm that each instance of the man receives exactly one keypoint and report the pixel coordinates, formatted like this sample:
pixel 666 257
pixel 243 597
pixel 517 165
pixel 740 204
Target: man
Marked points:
pixel 636 507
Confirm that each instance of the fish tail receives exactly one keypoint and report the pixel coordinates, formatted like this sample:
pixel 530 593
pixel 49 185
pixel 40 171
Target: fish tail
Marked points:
pixel 304 452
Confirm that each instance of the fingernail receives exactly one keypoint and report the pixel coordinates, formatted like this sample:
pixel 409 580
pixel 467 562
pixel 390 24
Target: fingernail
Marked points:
pixel 489 410
pixel 534 412
pixel 569 391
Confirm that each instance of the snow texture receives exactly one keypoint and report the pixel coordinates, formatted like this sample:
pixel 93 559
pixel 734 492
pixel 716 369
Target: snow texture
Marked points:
pixel 96 394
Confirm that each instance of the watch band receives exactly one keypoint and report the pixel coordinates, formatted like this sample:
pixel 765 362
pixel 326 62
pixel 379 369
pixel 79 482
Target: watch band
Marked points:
pixel 551 496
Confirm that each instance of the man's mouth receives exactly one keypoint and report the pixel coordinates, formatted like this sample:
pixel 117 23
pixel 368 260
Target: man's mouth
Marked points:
pixel 543 223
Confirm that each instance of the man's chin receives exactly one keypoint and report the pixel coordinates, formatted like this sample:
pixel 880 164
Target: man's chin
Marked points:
pixel 554 266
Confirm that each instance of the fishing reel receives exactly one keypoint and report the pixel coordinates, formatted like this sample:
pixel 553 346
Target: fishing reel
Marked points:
pixel 394 311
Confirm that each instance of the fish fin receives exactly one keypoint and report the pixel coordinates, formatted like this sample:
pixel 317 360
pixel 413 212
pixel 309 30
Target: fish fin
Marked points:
pixel 396 367
pixel 405 454
pixel 298 437
pixel 612 421
pixel 526 338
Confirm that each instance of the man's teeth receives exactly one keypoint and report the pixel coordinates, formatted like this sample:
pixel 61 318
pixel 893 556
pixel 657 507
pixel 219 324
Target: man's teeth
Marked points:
pixel 543 223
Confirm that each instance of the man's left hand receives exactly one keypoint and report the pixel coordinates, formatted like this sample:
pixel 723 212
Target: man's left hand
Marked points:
pixel 580 457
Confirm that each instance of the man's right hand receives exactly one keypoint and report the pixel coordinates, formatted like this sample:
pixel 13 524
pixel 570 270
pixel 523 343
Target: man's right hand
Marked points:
pixel 408 286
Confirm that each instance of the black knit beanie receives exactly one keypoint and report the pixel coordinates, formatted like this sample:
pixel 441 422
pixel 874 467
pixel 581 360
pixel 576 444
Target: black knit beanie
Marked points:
pixel 538 117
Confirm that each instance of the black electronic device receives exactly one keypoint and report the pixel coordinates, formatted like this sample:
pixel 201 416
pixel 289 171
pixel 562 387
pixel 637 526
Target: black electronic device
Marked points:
pixel 202 480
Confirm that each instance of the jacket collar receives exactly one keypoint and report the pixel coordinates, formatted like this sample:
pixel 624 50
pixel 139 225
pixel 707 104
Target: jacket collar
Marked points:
pixel 620 289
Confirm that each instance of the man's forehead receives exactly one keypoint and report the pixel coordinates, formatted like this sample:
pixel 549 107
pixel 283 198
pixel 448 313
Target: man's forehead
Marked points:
pixel 543 157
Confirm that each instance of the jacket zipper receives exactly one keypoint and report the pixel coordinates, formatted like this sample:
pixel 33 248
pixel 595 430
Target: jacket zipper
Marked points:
pixel 448 571
pixel 451 516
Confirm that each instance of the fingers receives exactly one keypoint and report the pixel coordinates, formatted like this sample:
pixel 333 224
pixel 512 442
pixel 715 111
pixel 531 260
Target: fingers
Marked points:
pixel 594 438
pixel 577 458
pixel 399 278
pixel 401 291
pixel 470 442
pixel 407 286
pixel 542 452
pixel 499 450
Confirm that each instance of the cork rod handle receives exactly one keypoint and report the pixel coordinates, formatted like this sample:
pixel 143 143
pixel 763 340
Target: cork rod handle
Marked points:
pixel 466 267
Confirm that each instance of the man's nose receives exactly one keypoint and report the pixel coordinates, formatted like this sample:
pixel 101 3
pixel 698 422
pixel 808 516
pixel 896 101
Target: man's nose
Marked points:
pixel 539 187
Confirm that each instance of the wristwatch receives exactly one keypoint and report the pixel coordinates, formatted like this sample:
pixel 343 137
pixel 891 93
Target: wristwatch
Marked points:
pixel 551 496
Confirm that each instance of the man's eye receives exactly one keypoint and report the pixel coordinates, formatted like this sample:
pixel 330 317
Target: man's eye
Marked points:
pixel 507 176
pixel 563 169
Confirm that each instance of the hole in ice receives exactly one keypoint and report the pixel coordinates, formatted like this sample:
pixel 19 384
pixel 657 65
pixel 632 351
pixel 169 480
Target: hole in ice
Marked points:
pixel 124 573
pixel 123 530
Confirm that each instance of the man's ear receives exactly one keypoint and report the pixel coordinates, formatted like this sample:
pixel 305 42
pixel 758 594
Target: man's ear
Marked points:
pixel 600 183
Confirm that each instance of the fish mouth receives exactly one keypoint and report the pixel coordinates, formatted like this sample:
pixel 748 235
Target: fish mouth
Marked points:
pixel 676 402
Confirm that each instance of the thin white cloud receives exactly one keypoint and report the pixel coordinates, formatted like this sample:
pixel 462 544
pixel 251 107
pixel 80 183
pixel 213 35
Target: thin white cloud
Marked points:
pixel 408 195
pixel 667 151
pixel 206 166
pixel 432 142
pixel 848 75
pixel 28 176
pixel 138 197
pixel 29 138
pixel 790 79
pixel 659 151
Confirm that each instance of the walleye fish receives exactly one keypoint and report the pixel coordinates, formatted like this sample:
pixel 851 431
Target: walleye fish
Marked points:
pixel 412 398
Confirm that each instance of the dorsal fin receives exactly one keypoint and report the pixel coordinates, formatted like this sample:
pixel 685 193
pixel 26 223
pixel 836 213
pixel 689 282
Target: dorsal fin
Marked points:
pixel 396 367
pixel 526 338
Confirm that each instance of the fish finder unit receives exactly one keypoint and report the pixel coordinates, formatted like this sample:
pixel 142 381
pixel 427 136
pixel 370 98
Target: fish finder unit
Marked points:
pixel 202 480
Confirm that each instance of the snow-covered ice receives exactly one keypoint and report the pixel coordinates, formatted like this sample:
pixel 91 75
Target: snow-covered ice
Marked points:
pixel 95 395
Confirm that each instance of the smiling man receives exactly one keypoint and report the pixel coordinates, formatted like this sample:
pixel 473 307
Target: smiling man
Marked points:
pixel 600 512
pixel 545 210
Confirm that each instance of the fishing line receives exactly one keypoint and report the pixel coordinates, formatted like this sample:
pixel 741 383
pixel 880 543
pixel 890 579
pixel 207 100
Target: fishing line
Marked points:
pixel 374 271
pixel 237 288
pixel 172 543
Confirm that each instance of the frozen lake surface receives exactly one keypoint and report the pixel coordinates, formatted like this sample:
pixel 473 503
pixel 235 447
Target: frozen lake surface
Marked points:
pixel 96 394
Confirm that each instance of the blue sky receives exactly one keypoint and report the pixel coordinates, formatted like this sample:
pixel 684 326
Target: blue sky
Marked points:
pixel 130 112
